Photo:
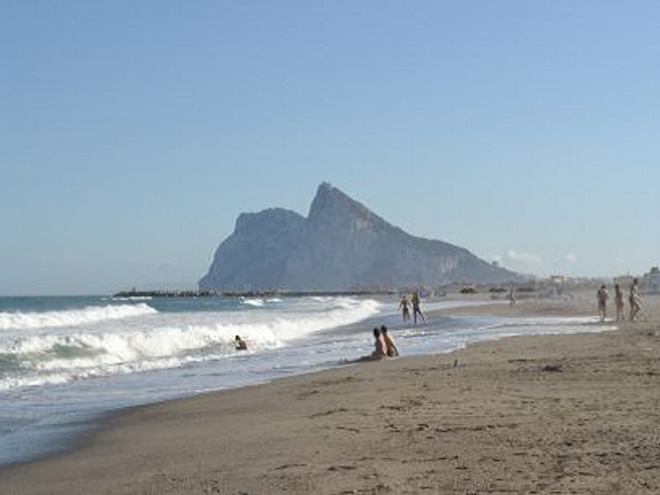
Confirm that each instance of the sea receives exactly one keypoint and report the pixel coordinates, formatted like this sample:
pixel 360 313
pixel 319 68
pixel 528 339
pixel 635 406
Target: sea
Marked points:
pixel 67 362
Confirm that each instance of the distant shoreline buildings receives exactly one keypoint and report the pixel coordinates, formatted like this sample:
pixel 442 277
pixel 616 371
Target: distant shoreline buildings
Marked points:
pixel 651 281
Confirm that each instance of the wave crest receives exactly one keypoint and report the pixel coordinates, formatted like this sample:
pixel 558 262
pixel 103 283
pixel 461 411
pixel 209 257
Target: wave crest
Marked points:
pixel 72 317
pixel 167 342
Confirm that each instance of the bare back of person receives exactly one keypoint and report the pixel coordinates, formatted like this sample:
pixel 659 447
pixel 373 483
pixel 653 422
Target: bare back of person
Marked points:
pixel 390 347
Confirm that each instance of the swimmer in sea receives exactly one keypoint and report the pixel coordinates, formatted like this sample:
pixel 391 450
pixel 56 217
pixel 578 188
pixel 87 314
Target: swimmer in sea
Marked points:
pixel 240 344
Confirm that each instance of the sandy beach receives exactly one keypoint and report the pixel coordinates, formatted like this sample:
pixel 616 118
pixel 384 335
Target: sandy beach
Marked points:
pixel 571 414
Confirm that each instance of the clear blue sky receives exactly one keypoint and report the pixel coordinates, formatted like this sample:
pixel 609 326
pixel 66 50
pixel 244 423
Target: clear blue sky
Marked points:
pixel 132 134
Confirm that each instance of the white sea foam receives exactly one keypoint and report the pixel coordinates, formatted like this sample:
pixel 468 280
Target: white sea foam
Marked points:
pixel 45 372
pixel 253 302
pixel 72 317
pixel 171 340
pixel 132 298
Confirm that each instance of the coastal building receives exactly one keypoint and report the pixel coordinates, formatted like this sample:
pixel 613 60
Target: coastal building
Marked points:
pixel 652 281
pixel 558 279
pixel 623 280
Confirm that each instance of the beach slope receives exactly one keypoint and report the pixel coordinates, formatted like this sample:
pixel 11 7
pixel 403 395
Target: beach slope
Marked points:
pixel 571 414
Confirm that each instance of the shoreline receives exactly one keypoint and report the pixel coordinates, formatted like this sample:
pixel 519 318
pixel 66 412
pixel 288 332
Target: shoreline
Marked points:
pixel 100 420
pixel 316 403
pixel 82 429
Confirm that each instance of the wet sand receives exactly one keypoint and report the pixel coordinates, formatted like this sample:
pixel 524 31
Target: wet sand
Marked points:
pixel 571 414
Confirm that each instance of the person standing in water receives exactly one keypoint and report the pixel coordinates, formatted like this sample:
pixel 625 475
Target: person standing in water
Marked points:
pixel 416 308
pixel 602 295
pixel 618 301
pixel 405 310
pixel 634 300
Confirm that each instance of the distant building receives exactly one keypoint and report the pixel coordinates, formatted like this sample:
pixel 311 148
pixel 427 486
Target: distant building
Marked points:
pixel 624 280
pixel 558 279
pixel 652 281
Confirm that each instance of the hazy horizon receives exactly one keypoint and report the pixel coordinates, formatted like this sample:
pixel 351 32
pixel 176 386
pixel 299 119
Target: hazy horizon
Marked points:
pixel 135 134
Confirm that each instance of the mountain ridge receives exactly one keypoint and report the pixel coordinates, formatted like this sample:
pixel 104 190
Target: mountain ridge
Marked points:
pixel 340 245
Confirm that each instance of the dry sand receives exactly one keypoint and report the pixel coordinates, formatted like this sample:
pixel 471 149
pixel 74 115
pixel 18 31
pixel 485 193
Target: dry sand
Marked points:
pixel 575 414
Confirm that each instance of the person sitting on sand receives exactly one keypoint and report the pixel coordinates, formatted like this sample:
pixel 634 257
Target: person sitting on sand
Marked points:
pixel 618 300
pixel 602 295
pixel 405 311
pixel 416 309
pixel 390 347
pixel 241 345
pixel 380 351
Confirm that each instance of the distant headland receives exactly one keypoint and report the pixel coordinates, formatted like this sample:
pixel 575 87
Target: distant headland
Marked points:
pixel 340 245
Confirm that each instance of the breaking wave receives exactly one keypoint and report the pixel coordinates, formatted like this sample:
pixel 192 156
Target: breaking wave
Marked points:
pixel 165 342
pixel 256 302
pixel 72 317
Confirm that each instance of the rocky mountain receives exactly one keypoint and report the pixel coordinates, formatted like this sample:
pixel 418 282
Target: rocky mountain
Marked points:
pixel 341 245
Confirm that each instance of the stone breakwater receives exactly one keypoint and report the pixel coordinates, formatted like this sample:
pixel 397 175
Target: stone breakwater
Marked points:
pixel 273 293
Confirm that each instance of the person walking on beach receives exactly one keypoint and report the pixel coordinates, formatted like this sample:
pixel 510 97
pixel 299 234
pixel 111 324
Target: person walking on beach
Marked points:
pixel 511 296
pixel 634 300
pixel 618 301
pixel 405 310
pixel 390 348
pixel 416 308
pixel 602 296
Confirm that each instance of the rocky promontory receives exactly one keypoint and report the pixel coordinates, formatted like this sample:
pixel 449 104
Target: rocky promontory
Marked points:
pixel 340 245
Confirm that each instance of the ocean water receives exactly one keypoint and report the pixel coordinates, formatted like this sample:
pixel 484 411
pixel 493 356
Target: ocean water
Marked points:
pixel 66 361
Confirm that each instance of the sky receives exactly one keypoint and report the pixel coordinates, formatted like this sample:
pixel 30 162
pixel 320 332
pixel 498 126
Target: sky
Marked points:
pixel 132 134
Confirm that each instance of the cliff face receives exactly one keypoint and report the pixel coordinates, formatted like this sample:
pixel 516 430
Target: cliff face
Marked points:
pixel 340 245
pixel 256 254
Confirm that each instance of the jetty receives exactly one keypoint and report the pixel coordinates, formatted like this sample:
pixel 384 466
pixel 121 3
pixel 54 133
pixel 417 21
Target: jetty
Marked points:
pixel 133 293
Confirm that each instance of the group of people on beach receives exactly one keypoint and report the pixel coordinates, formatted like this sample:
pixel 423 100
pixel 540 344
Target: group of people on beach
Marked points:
pixel 633 300
pixel 384 345
pixel 413 302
